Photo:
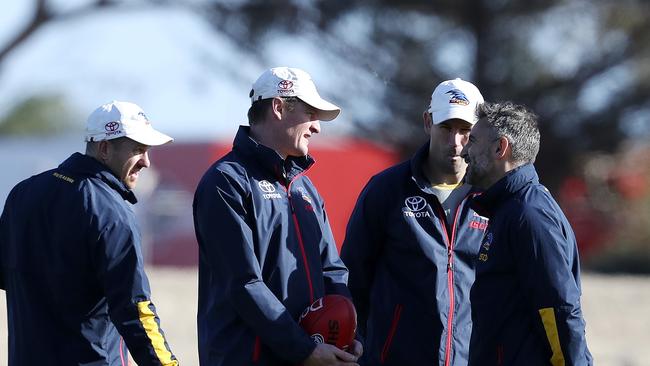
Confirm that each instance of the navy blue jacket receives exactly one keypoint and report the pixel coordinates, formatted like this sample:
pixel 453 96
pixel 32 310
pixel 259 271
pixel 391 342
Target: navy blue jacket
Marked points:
pixel 266 252
pixel 526 298
pixel 71 264
pixel 411 272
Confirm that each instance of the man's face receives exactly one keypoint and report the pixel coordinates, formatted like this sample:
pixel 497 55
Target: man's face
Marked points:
pixel 298 126
pixel 447 140
pixel 126 158
pixel 478 153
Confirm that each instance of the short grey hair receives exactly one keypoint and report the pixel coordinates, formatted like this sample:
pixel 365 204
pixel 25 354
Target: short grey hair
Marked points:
pixel 516 123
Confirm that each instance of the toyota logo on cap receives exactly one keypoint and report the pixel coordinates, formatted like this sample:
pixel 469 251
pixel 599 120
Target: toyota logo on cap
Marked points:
pixel 415 203
pixel 285 84
pixel 112 126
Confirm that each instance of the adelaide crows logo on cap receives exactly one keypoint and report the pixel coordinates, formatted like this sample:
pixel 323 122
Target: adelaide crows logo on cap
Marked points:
pixel 457 97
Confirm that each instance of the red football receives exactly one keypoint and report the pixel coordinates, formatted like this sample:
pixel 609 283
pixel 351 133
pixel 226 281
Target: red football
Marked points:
pixel 331 319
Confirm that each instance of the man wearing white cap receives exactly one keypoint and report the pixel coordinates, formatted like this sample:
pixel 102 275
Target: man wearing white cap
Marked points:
pixel 411 243
pixel 266 250
pixel 70 256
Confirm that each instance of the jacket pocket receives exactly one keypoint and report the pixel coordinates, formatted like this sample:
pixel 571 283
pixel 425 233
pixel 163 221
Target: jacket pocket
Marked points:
pixel 391 333
pixel 257 349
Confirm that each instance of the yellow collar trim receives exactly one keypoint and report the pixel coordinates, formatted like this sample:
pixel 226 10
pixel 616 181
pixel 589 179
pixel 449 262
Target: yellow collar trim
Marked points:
pixel 447 186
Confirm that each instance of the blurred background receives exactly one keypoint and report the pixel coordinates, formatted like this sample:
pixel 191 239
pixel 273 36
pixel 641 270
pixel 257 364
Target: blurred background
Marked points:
pixel 583 66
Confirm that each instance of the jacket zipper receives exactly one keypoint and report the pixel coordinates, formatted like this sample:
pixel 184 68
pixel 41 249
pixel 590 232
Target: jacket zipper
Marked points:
pixel 391 333
pixel 450 273
pixel 301 243
pixel 122 353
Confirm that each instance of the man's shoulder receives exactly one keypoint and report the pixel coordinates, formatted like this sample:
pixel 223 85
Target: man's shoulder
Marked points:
pixel 535 197
pixel 532 205
pixel 229 170
pixel 50 181
pixel 392 174
pixel 100 199
pixel 231 163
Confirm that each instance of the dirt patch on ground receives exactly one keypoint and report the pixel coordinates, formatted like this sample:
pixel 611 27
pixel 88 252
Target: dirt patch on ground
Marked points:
pixel 616 308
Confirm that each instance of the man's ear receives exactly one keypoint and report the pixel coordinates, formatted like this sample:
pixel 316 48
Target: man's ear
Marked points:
pixel 426 117
pixel 103 150
pixel 503 148
pixel 277 106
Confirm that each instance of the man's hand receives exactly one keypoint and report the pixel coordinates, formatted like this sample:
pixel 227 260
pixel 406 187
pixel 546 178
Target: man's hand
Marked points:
pixel 356 348
pixel 327 355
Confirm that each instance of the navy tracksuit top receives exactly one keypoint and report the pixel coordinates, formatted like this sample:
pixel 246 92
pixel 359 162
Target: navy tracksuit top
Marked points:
pixel 411 272
pixel 72 267
pixel 266 252
pixel 526 298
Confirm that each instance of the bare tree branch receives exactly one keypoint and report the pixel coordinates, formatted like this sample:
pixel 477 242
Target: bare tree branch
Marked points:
pixel 43 14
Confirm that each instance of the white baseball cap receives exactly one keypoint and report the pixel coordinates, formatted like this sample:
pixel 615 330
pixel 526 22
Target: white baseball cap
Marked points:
pixel 455 99
pixel 123 119
pixel 292 82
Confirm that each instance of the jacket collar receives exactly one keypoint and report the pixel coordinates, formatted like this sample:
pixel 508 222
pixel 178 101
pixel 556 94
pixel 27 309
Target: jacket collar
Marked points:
pixel 88 166
pixel 416 168
pixel 286 169
pixel 516 179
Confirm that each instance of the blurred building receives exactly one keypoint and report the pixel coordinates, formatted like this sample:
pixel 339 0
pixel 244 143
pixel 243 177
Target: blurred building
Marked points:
pixel 165 191
pixel 342 169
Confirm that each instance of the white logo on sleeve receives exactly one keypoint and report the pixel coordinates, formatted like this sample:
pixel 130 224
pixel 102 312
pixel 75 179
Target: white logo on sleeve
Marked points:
pixel 414 205
pixel 304 195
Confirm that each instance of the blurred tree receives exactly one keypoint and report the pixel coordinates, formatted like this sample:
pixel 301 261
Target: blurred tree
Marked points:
pixel 46 114
pixel 39 115
pixel 581 65
pixel 44 12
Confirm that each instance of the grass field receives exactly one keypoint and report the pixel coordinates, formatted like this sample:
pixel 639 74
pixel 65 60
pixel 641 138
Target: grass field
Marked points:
pixel 616 308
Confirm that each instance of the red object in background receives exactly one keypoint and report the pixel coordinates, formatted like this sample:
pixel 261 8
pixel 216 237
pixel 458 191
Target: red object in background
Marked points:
pixel 331 319
pixel 341 171
pixel 591 228
pixel 630 185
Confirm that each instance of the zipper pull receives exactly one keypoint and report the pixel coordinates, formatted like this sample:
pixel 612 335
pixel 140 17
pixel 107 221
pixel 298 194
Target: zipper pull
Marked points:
pixel 450 263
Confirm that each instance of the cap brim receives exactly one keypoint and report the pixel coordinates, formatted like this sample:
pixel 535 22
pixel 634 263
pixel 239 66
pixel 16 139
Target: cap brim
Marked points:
pixel 150 137
pixel 454 113
pixel 327 111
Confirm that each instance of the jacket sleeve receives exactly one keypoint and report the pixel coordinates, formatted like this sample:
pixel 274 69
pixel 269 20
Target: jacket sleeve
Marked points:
pixel 119 264
pixel 226 242
pixel 4 234
pixel 548 267
pixel 335 273
pixel 360 251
